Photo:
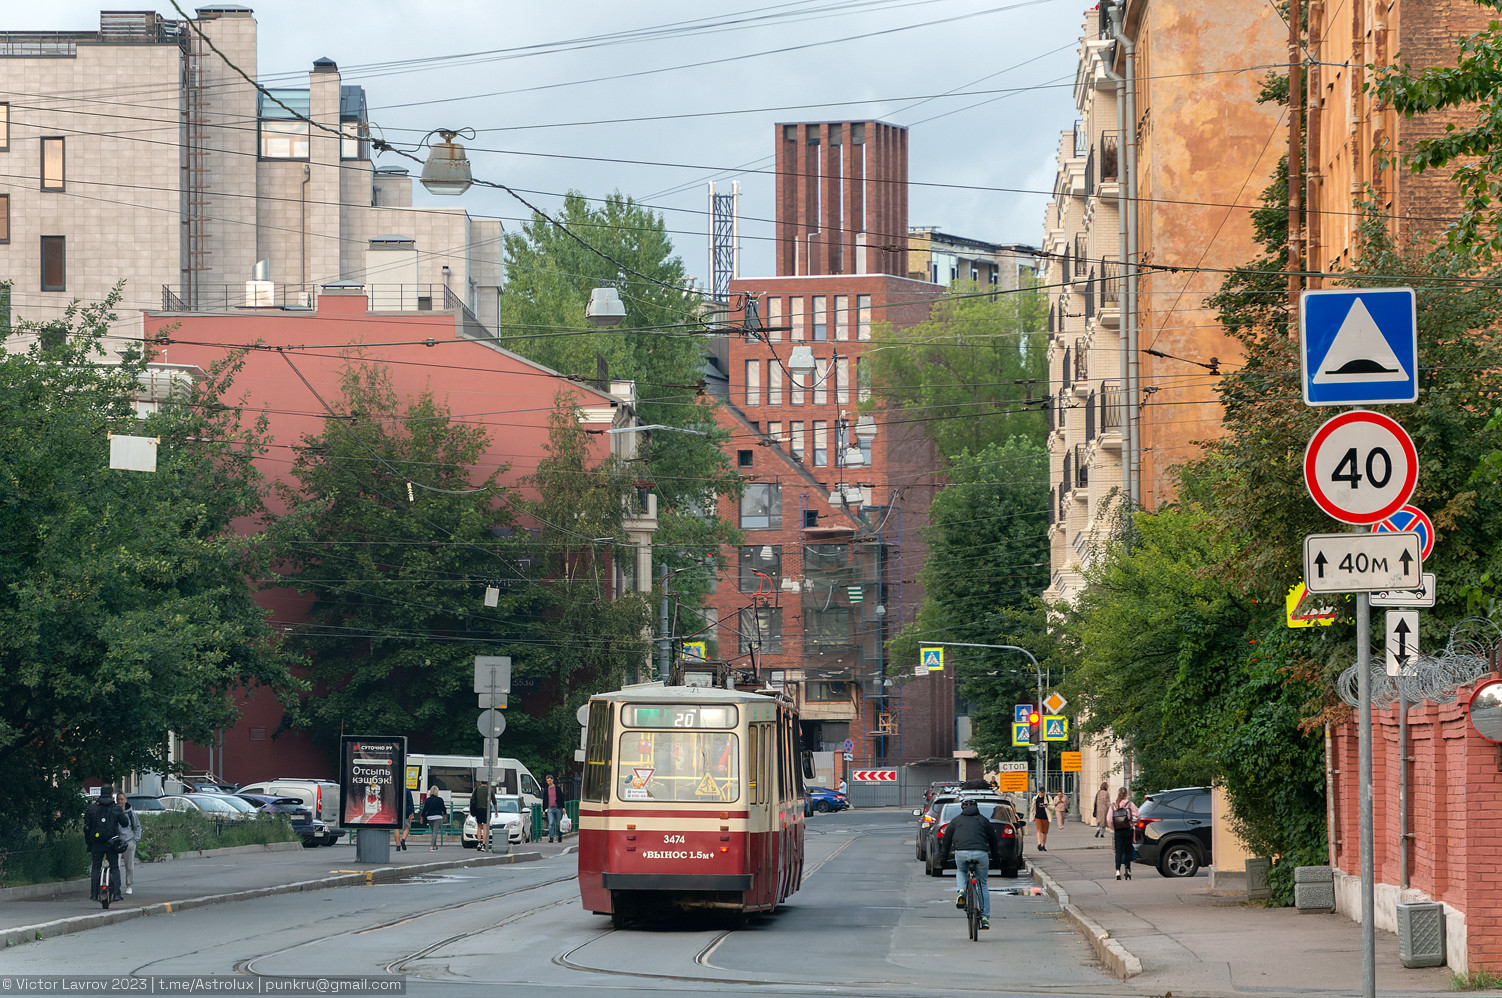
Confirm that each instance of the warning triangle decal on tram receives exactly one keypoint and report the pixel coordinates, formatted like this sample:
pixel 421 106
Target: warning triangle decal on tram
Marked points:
pixel 707 787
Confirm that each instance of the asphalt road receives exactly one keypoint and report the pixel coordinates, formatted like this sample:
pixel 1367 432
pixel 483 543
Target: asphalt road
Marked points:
pixel 866 921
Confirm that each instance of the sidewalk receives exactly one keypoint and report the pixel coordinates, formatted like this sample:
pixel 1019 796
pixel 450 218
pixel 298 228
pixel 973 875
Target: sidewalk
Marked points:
pixel 43 911
pixel 1174 935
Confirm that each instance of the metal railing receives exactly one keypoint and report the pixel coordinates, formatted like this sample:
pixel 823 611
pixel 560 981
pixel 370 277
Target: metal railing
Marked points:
pixel 1081 466
pixel 1068 481
pixel 1081 360
pixel 1110 284
pixel 1112 398
pixel 1090 417
pixel 1081 253
pixel 1109 156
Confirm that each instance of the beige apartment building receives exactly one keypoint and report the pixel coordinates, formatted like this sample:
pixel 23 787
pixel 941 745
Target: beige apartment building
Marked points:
pixel 1157 173
pixel 136 153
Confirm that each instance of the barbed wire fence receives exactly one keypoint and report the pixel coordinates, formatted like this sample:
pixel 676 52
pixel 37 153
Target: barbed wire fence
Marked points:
pixel 1467 656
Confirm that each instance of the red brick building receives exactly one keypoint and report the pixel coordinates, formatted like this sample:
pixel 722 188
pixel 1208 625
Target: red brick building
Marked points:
pixel 835 499
pixel 427 351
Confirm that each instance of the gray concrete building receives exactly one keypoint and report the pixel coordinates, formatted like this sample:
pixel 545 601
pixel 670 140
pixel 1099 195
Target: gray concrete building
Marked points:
pixel 137 153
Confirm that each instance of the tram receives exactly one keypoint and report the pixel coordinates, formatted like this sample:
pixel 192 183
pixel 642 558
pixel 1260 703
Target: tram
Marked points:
pixel 692 799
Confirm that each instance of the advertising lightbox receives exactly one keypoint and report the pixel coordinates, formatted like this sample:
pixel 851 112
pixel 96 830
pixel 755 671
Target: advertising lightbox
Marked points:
pixel 371 781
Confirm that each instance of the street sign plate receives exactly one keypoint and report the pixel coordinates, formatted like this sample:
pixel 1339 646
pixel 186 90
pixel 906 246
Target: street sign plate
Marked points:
pixel 1358 346
pixel 1300 612
pixel 1361 563
pixel 1021 735
pixel 492 673
pixel 1055 703
pixel 1409 518
pixel 1361 467
pixel 492 723
pixel 1012 783
pixel 874 776
pixel 488 700
pixel 1420 597
pixel 1402 639
pixel 1055 729
pixel 1011 767
pixel 1071 762
pixel 932 659
pixel 1020 712
pixel 849 745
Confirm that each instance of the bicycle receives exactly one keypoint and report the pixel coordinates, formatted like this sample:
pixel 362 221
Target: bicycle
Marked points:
pixel 972 901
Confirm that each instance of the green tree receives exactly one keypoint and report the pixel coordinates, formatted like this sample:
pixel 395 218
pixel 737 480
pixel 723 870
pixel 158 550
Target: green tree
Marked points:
pixel 659 346
pixel 974 373
pixel 397 572
pixel 1475 151
pixel 125 611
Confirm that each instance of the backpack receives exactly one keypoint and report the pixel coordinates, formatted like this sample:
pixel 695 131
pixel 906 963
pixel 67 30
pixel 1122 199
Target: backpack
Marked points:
pixel 101 826
pixel 1121 818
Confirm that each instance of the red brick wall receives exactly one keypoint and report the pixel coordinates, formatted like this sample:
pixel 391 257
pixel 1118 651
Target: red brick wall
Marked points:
pixel 1454 792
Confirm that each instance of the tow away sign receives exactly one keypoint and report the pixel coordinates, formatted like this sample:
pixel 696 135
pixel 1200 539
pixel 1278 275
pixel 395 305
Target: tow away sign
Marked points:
pixel 1361 563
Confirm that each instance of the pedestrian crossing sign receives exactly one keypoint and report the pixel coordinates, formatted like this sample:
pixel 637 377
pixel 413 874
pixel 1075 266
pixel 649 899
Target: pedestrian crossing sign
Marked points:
pixel 1020 735
pixel 1055 729
pixel 932 659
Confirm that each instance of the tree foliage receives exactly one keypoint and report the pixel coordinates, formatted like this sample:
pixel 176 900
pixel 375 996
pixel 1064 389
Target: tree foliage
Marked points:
pixel 975 372
pixel 125 611
pixel 397 575
pixel 1475 151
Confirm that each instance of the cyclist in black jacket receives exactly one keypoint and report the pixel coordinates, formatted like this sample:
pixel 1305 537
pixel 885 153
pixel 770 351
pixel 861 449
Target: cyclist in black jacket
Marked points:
pixel 972 841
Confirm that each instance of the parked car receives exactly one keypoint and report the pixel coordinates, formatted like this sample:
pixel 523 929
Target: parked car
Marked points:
pixel 143 804
pixel 1175 831
pixel 823 800
pixel 507 814
pixel 941 788
pixel 209 805
pixel 312 831
pixel 319 796
pixel 1009 827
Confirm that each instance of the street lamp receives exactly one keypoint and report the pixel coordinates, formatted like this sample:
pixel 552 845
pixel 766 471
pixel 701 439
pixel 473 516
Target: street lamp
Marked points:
pixel 447 170
pixel 604 308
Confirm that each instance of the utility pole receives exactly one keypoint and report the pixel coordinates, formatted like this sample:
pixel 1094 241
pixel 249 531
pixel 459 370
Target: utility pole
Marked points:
pixel 1295 157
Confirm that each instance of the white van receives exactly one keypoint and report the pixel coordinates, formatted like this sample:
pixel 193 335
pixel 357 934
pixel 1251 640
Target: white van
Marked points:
pixel 456 776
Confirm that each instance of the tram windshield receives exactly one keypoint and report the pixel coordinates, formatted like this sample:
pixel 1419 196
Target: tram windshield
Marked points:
pixel 699 767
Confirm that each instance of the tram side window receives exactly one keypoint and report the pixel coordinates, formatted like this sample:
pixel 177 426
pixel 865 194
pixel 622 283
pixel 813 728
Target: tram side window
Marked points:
pixel 755 748
pixel 691 767
pixel 597 753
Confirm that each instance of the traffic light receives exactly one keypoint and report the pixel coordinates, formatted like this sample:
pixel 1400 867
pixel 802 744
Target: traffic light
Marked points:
pixel 1034 727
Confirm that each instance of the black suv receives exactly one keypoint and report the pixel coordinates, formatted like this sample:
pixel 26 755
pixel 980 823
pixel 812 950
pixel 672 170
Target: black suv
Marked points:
pixel 1174 826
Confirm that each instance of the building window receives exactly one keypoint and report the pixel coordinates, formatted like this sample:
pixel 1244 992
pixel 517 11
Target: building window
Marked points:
pixel 54 176
pixel 797 445
pixel 821 443
pixel 743 458
pixel 826 631
pixel 753 382
pixel 774 383
pixel 821 317
pixel 821 381
pixel 863 317
pixel 795 318
pixel 5 126
pixel 761 507
pixel 774 320
pixel 763 558
pixel 353 140
pixel 842 381
pixel 54 263
pixel 774 430
pixel 284 133
pixel 842 317
pixel 862 379
pixel 800 382
pixel 761 630
pixel 4 218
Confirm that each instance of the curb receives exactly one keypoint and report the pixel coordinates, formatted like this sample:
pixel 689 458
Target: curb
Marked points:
pixel 1116 957
pixel 21 934
pixel 26 891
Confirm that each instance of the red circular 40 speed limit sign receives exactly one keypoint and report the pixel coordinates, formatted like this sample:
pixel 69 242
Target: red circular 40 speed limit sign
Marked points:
pixel 1361 467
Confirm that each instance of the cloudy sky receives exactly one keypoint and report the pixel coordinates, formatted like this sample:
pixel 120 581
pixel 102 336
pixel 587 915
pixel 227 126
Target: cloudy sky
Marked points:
pixel 656 99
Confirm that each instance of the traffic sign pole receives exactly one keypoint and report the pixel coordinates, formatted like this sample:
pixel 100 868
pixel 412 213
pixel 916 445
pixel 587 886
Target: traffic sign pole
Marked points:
pixel 1364 779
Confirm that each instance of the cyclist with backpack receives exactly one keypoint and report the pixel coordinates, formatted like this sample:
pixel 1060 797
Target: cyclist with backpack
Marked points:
pixel 103 824
pixel 1123 818
pixel 973 842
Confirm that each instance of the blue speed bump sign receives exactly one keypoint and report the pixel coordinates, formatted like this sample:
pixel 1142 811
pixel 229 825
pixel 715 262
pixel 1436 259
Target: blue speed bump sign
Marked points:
pixel 1055 729
pixel 1020 735
pixel 1359 346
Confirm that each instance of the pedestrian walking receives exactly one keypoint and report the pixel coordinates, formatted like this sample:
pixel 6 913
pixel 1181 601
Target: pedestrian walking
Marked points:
pixel 1124 830
pixel 131 834
pixel 552 799
pixel 1060 807
pixel 479 809
pixel 433 813
pixel 409 811
pixel 1102 809
pixel 1040 819
pixel 103 821
pixel 844 787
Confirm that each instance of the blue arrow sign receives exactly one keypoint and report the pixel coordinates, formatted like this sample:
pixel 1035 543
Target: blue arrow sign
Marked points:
pixel 1359 346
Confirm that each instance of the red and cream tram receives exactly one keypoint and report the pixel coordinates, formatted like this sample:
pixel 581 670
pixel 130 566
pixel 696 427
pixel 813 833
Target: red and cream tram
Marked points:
pixel 692 798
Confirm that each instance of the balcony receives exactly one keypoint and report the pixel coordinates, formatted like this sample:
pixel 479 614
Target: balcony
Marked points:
pixel 1109 159
pixel 1081 254
pixel 1081 466
pixel 1112 405
pixel 1081 360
